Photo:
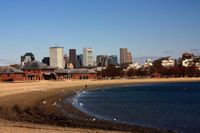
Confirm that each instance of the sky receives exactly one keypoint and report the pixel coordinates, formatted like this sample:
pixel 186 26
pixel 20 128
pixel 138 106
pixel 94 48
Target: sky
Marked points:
pixel 148 28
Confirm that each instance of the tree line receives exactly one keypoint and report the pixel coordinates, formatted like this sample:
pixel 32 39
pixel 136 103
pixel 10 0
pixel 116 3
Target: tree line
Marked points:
pixel 157 70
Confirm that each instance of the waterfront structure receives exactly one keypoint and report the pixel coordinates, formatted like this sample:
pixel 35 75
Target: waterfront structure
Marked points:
pixel 35 70
pixel 88 57
pixel 27 57
pixel 82 73
pixel 56 55
pixel 8 73
pixel 46 60
pixel 125 56
pixel 72 57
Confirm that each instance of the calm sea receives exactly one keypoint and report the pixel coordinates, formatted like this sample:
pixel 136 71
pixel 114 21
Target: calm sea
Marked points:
pixel 174 106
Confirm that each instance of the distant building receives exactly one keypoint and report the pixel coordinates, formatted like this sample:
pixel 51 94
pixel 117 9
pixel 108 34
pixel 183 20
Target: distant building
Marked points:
pixel 104 60
pixel 101 60
pixel 66 60
pixel 76 73
pixel 46 60
pixel 125 56
pixel 72 57
pixel 197 65
pixel 79 63
pixel 187 59
pixel 28 57
pixel 70 66
pixel 134 66
pixel 169 62
pixel 164 62
pixel 88 57
pixel 148 63
pixel 129 58
pixel 56 57
pixel 187 56
pixel 197 62
pixel 35 70
pixel 113 60
pixel 17 66
pixel 8 73
pixel 187 62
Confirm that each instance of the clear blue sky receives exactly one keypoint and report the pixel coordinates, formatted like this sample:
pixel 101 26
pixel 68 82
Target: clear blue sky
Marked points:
pixel 146 27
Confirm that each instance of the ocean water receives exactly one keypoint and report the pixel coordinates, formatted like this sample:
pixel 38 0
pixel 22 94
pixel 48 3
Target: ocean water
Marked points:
pixel 174 106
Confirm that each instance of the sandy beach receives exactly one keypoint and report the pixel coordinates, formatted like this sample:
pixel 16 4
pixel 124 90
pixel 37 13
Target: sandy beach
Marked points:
pixel 30 107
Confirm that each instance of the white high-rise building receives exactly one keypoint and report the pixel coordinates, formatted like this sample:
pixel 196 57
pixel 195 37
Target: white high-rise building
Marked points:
pixel 56 55
pixel 88 57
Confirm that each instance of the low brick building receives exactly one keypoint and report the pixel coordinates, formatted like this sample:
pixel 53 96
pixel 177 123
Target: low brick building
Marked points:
pixel 76 74
pixel 11 74
pixel 83 74
pixel 35 70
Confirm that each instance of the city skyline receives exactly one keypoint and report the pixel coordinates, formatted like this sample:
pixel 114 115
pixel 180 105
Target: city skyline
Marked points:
pixel 147 28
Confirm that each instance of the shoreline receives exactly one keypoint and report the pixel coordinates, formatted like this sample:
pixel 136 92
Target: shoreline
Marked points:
pixel 40 106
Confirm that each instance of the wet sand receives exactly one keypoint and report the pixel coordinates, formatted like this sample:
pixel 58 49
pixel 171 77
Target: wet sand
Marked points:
pixel 35 107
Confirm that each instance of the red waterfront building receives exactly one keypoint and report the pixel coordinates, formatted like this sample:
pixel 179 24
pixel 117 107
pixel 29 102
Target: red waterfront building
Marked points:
pixel 83 74
pixel 76 74
pixel 8 73
pixel 35 70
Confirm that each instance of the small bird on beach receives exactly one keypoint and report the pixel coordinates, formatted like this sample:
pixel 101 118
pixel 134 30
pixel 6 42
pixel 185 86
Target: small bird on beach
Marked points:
pixel 77 93
pixel 54 104
pixel 75 100
pixel 81 104
pixel 44 102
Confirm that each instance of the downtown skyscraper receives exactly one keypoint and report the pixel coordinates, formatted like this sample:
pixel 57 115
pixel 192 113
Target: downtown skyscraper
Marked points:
pixel 72 57
pixel 56 55
pixel 125 56
pixel 88 57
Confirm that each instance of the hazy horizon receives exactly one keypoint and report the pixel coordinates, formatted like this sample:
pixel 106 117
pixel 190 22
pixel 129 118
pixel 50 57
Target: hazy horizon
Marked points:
pixel 153 28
